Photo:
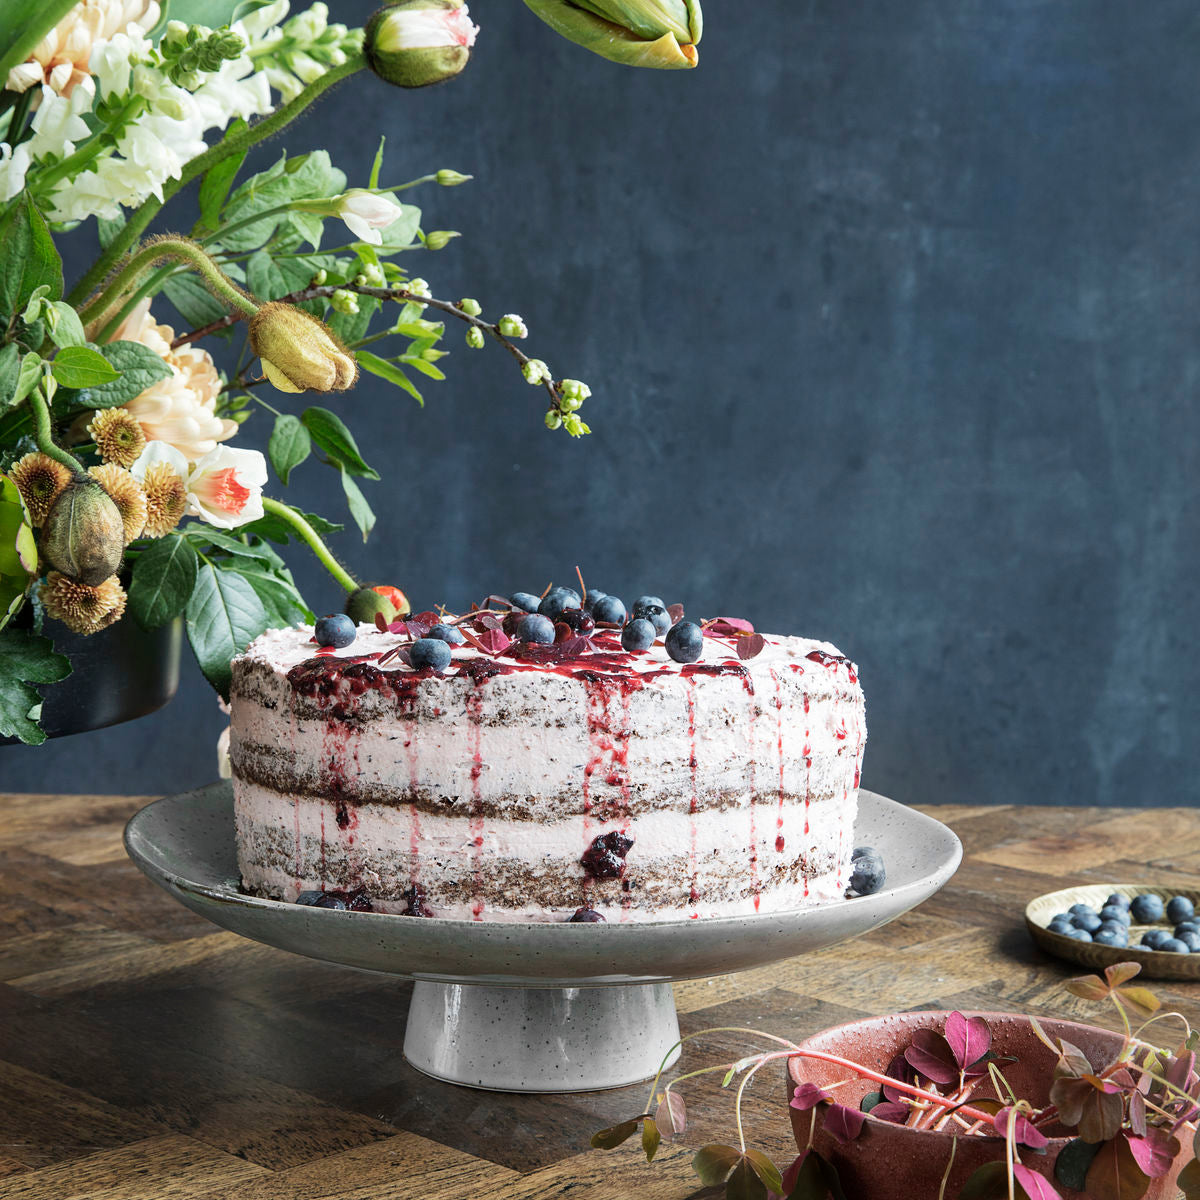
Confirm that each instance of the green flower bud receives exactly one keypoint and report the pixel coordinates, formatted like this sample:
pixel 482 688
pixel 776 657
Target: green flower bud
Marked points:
pixel 535 371
pixel 469 306
pixel 418 287
pixel 298 352
pixel 344 302
pixel 413 43
pixel 475 337
pixel 553 419
pixel 319 278
pixel 389 602
pixel 574 426
pixel 637 33
pixel 439 239
pixel 18 550
pixel 84 536
pixel 574 393
pixel 511 326
pixel 452 178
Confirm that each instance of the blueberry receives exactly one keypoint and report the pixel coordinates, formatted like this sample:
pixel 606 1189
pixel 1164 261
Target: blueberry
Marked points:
pixel 1173 946
pixel 610 609
pixel 1118 899
pixel 1154 938
pixel 1089 921
pixel 556 602
pixel 637 635
pixel 862 852
pixel 656 614
pixel 867 875
pixel 525 601
pixel 446 633
pixel 1081 909
pixel 1180 908
pixel 1079 935
pixel 576 619
pixel 536 628
pixel 430 652
pixel 685 642
pixel 1107 936
pixel 1190 939
pixel 1114 912
pixel 1059 926
pixel 335 630
pixel 1187 927
pixel 1063 916
pixel 645 601
pixel 584 916
pixel 589 602
pixel 1146 908
pixel 309 898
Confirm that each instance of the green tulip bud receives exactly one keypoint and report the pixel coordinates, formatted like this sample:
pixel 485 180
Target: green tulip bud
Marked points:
pixel 637 33
pixel 469 306
pixel 475 337
pixel 413 43
pixel 83 536
pixel 452 178
pixel 298 352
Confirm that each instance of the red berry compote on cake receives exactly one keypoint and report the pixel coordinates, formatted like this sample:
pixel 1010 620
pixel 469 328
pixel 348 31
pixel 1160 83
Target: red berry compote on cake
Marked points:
pixel 530 782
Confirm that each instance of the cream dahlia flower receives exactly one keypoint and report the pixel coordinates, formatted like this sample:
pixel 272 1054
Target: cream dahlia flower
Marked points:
pixel 181 409
pixel 60 59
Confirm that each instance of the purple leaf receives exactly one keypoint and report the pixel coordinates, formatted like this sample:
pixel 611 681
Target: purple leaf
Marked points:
pixel 1024 1134
pixel 969 1039
pixel 1037 1187
pixel 751 645
pixel 1137 1114
pixel 930 1055
pixel 807 1096
pixel 890 1110
pixel 671 1117
pixel 1154 1153
pixel 899 1069
pixel 843 1123
pixel 494 641
pixel 1179 1070
pixel 728 627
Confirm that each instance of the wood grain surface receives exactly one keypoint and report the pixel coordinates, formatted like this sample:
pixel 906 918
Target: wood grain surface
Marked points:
pixel 145 1054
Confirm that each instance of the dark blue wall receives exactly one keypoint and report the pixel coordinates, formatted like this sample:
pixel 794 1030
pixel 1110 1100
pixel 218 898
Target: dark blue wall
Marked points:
pixel 890 312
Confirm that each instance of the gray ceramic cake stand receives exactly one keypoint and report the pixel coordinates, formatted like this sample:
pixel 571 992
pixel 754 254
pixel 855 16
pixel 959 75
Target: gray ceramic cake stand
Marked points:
pixel 532 1007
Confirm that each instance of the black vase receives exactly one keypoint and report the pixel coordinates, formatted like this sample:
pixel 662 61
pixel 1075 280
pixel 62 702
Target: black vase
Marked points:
pixel 119 674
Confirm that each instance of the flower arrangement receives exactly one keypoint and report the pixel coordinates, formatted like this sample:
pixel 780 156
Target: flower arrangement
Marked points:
pixel 1124 1122
pixel 128 487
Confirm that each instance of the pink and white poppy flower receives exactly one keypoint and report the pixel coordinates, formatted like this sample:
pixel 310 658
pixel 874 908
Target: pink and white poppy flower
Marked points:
pixel 225 487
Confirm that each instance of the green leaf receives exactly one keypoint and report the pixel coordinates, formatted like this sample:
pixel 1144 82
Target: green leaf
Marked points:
pixel 224 615
pixel 352 326
pixel 139 367
pixel 193 301
pixel 714 1162
pixel 65 327
pixel 270 278
pixel 1189 1181
pixel 766 1170
pixel 331 434
pixel 279 531
pixel 164 577
pixel 218 179
pixel 426 368
pixel 10 371
pixel 305 177
pixel 377 165
pixel 283 603
pixel 402 232
pixel 213 13
pixel 26 658
pixel 744 1184
pixel 82 367
pixel 650 1138
pixel 28 258
pixel 206 535
pixel 25 23
pixel 360 510
pixel 611 1138
pixel 1074 1159
pixel 107 229
pixel 289 446
pixel 389 371
pixel 309 226
pixel 812 1179
pixel 989 1182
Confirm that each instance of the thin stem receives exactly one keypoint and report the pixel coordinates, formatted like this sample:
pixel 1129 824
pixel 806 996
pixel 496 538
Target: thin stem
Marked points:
pixel 172 249
pixel 233 144
pixel 153 282
pixel 309 535
pixel 737 1103
pixel 46 444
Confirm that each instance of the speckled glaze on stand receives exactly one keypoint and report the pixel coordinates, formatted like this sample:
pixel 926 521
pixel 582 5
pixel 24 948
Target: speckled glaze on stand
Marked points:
pixel 470 1034
pixel 541 1039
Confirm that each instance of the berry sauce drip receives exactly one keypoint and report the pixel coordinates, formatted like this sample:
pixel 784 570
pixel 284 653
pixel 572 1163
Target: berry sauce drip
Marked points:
pixel 694 802
pixel 605 857
pixel 778 702
pixel 415 902
pixel 475 728
pixel 833 660
pixel 730 667
pixel 754 882
pixel 480 670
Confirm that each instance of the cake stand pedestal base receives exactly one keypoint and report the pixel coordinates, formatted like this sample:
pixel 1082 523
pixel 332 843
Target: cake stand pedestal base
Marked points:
pixel 528 1039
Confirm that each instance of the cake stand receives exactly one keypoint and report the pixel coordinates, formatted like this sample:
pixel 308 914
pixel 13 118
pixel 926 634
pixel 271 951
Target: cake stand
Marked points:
pixel 532 1007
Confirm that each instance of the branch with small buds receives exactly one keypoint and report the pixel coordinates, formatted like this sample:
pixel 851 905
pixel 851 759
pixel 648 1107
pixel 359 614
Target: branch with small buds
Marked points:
pixel 565 395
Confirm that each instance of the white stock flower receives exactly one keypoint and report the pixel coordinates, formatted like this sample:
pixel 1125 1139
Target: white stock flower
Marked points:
pixel 112 61
pixel 366 213
pixel 57 124
pixel 225 487
pixel 61 60
pixel 256 26
pixel 236 90
pixel 13 167
pixel 181 409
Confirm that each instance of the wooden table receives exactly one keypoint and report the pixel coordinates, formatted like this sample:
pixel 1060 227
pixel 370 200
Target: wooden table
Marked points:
pixel 145 1054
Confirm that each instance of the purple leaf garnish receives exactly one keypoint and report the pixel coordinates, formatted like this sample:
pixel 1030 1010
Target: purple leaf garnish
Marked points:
pixel 892 1111
pixel 675 612
pixel 493 641
pixel 750 645
pixel 807 1096
pixel 969 1039
pixel 930 1055
pixel 899 1069
pixel 487 620
pixel 728 627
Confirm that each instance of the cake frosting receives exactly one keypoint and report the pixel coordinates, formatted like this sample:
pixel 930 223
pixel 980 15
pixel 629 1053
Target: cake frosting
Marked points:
pixel 531 783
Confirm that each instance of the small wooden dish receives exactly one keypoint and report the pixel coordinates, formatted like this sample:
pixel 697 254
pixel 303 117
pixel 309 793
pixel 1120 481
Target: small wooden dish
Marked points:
pixel 1156 964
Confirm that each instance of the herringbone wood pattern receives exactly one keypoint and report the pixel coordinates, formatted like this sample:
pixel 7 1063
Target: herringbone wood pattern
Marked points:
pixel 145 1054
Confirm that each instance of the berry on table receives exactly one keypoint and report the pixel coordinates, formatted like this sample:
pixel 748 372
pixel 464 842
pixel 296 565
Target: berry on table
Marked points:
pixel 610 609
pixel 637 635
pixel 1180 908
pixel 867 874
pixel 1146 908
pixel 1080 908
pixel 1060 925
pixel 536 628
pixel 1107 935
pixel 1089 921
pixel 429 652
pixel 1079 935
pixel 446 633
pixel 1190 938
pixel 1114 912
pixel 1154 938
pixel 334 629
pixel 1173 946
pixel 1117 898
pixel 685 642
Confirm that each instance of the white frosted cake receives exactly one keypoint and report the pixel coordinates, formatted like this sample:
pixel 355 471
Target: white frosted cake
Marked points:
pixel 546 783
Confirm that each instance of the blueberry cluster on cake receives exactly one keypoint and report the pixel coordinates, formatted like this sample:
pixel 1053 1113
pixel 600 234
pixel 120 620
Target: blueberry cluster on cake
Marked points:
pixel 546 758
